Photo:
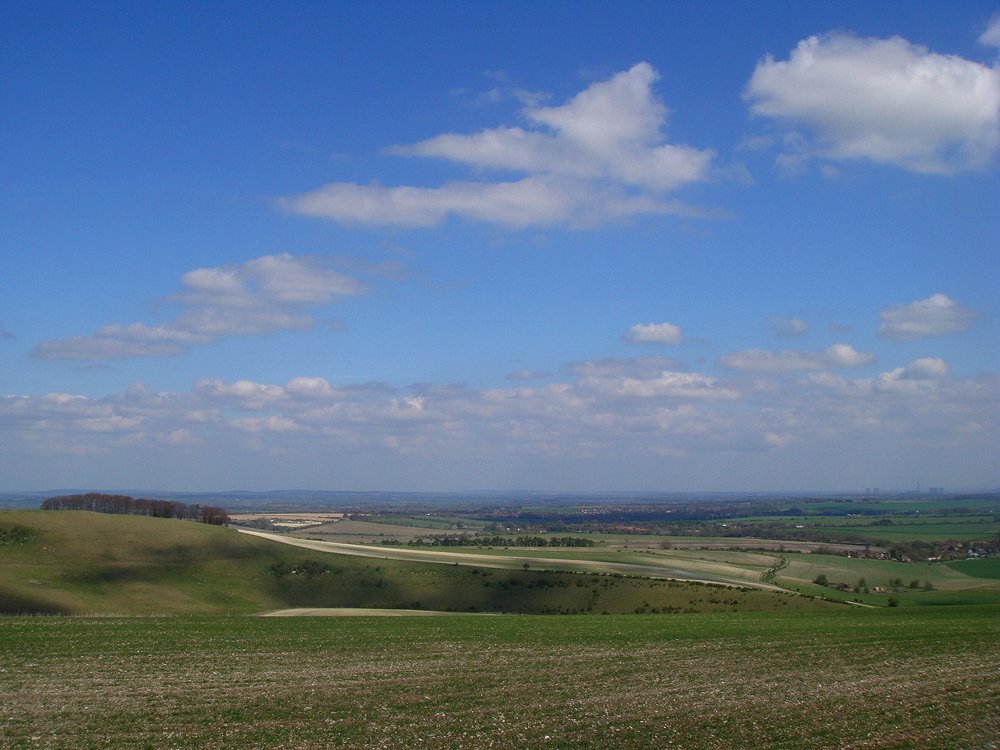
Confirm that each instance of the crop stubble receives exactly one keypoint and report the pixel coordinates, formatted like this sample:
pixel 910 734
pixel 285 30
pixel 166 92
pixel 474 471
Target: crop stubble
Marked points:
pixel 861 680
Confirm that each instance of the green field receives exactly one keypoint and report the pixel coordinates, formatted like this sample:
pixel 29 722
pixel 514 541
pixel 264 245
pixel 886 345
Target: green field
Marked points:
pixel 926 527
pixel 917 678
pixel 985 568
pixel 949 582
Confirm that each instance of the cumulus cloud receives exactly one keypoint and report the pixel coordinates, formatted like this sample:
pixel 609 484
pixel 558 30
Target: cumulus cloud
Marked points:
pixel 884 100
pixel 599 157
pixel 787 328
pixel 263 295
pixel 935 316
pixel 793 360
pixel 655 333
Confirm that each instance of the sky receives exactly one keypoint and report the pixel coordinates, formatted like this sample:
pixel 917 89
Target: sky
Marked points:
pixel 561 246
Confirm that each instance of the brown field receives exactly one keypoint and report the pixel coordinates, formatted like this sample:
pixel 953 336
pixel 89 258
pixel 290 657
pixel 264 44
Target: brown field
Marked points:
pixel 364 531
pixel 735 543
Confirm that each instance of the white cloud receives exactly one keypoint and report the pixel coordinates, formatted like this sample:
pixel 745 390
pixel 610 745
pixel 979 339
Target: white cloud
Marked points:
pixel 935 316
pixel 600 157
pixel 885 100
pixel 531 201
pixel 259 296
pixel 655 333
pixel 926 368
pixel 637 367
pixel 314 388
pixel 118 342
pixel 601 414
pixel 250 394
pixel 991 36
pixel 114 423
pixel 667 384
pixel 794 360
pixel 785 327
pixel 266 424
pixel 611 129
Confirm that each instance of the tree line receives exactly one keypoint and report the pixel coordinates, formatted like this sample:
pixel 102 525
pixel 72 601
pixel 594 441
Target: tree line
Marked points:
pixel 131 506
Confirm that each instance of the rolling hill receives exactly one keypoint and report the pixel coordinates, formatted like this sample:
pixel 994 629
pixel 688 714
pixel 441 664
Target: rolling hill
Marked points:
pixel 77 562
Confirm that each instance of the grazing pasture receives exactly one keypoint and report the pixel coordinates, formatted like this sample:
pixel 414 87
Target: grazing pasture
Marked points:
pixel 917 678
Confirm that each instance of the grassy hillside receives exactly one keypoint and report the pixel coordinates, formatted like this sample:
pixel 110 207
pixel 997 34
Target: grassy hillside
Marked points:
pixel 853 678
pixel 76 562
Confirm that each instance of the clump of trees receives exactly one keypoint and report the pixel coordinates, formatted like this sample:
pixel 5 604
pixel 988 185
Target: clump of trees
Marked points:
pixel 15 533
pixel 130 506
pixel 307 568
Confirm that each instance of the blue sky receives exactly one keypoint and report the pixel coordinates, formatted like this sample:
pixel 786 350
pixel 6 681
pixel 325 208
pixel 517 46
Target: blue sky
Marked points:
pixel 443 246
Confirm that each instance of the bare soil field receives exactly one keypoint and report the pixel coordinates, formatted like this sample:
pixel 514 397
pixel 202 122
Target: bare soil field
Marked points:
pixel 366 531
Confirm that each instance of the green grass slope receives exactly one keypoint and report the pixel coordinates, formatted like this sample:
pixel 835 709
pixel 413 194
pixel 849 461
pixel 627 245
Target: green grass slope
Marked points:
pixel 74 562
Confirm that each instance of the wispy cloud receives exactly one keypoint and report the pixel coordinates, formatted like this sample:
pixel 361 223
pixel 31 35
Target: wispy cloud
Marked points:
pixel 599 157
pixel 991 35
pixel 883 100
pixel 792 360
pixel 655 333
pixel 263 295
pixel 522 375
pixel 787 328
pixel 935 316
